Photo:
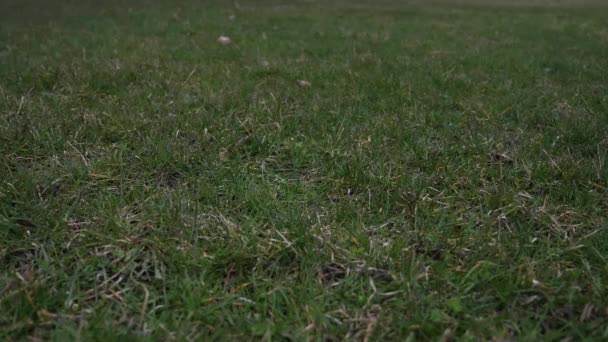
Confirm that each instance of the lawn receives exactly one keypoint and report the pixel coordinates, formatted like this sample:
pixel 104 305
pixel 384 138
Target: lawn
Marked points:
pixel 442 175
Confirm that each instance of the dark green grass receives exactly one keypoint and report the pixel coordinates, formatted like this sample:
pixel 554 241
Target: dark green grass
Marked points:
pixel 444 175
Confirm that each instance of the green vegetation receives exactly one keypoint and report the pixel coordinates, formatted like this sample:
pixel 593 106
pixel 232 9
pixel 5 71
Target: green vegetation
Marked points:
pixel 444 175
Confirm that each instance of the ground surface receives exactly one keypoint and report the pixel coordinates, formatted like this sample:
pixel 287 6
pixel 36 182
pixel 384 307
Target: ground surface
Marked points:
pixel 444 175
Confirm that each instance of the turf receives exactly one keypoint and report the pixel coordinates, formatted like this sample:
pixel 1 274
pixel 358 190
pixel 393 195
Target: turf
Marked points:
pixel 444 176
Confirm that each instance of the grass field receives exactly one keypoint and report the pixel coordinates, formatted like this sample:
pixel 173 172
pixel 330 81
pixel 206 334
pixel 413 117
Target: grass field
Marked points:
pixel 444 176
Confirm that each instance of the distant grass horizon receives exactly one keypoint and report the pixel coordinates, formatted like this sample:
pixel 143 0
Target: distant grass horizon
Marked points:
pixel 341 170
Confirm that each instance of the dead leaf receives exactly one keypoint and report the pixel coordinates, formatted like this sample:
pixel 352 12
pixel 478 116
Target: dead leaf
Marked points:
pixel 303 83
pixel 76 224
pixel 332 273
pixel 501 157
pixel 224 40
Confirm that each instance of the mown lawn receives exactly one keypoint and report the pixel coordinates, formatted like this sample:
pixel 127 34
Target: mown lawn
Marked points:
pixel 444 176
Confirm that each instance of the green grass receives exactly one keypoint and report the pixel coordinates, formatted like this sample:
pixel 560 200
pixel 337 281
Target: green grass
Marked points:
pixel 445 176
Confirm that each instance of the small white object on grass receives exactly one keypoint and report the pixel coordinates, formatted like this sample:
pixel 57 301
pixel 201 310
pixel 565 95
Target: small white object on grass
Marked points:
pixel 224 40
pixel 303 83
